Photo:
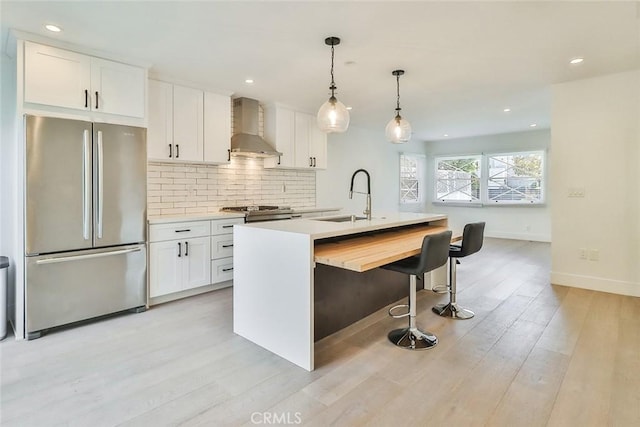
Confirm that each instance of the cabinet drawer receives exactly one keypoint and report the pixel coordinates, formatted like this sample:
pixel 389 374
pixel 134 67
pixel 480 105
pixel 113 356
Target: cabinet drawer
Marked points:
pixel 224 226
pixel 221 246
pixel 221 270
pixel 179 230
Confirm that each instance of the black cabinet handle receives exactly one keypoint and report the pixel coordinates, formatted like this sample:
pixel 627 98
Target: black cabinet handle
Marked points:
pixel 177 151
pixel 183 231
pixel 179 249
pixel 186 248
pixel 170 150
pixel 228 155
pixel 86 98
pixel 227 226
pixel 227 246
pixel 227 269
pixel 314 162
pixel 310 161
pixel 97 100
pixel 278 159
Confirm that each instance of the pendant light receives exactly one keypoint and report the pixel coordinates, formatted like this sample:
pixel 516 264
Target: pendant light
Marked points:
pixel 333 116
pixel 398 130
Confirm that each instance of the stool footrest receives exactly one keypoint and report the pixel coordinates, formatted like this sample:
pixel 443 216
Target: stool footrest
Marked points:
pixel 399 316
pixel 441 289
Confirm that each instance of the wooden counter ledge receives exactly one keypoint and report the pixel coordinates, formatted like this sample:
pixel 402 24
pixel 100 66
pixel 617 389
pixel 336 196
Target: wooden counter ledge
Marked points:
pixel 367 252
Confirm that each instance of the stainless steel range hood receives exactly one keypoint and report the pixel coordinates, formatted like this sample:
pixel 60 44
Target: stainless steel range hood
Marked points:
pixel 245 140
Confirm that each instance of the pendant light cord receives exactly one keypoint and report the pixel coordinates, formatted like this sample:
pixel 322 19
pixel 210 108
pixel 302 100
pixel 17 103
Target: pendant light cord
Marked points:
pixel 333 84
pixel 398 92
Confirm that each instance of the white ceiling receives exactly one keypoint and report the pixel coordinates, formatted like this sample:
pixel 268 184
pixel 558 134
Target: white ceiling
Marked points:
pixel 465 61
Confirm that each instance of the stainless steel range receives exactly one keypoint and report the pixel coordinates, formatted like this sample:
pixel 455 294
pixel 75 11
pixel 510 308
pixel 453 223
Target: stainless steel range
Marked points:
pixel 261 213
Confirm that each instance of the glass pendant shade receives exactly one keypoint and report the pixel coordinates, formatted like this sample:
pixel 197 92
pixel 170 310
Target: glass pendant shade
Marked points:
pixel 333 116
pixel 398 130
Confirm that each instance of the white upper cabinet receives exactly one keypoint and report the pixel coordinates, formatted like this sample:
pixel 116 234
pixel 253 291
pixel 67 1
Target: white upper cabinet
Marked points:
pixel 279 131
pixel 160 130
pixel 188 125
pixel 117 88
pixel 62 78
pixel 217 128
pixel 295 134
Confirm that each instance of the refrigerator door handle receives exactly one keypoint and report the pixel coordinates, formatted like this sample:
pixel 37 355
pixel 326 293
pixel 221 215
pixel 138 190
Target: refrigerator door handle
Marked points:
pixel 100 185
pixel 86 186
pixel 53 260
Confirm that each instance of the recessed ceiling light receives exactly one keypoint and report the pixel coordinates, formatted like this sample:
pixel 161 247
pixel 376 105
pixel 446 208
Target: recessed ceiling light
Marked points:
pixel 533 125
pixel 576 60
pixel 507 110
pixel 349 108
pixel 445 135
pixel 53 28
pixel 249 81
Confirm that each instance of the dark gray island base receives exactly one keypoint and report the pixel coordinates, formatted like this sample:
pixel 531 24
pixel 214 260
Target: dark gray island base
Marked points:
pixel 342 297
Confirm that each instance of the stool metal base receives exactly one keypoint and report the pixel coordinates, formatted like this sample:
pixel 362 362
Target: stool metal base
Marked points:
pixel 452 310
pixel 412 339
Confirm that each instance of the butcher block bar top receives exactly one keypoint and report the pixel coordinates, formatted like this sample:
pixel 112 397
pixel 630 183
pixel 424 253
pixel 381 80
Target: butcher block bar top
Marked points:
pixel 374 250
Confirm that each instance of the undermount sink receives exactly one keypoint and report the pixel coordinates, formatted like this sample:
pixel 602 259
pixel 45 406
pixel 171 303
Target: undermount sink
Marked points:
pixel 346 218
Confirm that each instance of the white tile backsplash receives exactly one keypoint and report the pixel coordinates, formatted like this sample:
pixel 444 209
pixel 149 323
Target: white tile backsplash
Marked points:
pixel 192 189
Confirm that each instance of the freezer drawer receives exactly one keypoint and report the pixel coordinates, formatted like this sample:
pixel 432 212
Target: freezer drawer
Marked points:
pixel 73 286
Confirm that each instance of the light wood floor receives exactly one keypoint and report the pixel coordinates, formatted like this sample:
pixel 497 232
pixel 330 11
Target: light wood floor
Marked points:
pixel 534 355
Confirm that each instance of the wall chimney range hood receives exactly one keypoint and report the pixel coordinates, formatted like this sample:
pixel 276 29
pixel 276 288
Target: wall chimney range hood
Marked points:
pixel 245 140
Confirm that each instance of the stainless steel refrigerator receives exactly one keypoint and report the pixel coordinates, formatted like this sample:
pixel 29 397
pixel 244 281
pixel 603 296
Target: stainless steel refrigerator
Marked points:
pixel 85 221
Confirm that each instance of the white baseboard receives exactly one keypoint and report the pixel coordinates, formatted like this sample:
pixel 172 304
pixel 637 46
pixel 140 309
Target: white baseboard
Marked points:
pixel 519 236
pixel 596 284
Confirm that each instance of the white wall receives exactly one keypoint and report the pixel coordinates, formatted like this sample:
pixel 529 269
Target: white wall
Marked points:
pixel 511 222
pixel 9 232
pixel 359 148
pixel 596 139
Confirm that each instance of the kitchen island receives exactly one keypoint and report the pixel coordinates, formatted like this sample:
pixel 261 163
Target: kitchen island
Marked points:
pixel 290 274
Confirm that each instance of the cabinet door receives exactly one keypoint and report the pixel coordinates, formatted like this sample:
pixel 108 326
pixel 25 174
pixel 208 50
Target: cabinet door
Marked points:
pixel 279 128
pixel 302 124
pixel 56 77
pixel 196 257
pixel 317 146
pixel 217 128
pixel 117 88
pixel 188 113
pixel 160 128
pixel 165 268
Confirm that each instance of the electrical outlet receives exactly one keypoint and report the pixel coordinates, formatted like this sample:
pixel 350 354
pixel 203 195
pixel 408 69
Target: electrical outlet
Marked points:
pixel 582 253
pixel 594 255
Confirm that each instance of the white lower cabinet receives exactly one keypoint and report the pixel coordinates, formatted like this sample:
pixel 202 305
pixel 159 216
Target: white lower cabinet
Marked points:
pixel 181 260
pixel 186 258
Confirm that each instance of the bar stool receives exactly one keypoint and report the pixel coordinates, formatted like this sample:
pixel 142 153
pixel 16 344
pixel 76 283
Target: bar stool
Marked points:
pixel 434 253
pixel 472 238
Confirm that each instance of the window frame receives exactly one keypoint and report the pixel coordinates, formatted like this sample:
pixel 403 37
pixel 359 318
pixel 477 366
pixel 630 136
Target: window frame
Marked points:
pixel 421 178
pixel 437 200
pixel 543 180
pixel 484 179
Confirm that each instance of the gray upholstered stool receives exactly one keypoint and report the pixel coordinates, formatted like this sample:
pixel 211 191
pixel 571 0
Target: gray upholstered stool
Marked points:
pixel 434 253
pixel 472 238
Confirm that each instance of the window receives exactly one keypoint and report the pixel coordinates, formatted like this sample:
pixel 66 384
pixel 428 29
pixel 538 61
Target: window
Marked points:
pixel 515 178
pixel 501 178
pixel 411 181
pixel 458 179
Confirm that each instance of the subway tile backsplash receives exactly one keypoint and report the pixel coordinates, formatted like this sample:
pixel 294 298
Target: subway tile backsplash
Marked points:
pixel 174 189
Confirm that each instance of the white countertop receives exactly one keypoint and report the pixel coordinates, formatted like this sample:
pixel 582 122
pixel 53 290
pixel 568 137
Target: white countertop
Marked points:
pixel 162 219
pixel 319 229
